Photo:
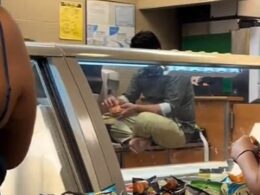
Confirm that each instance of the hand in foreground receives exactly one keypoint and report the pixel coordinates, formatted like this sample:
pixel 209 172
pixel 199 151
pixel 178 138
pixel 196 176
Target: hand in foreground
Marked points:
pixel 110 102
pixel 240 145
pixel 128 109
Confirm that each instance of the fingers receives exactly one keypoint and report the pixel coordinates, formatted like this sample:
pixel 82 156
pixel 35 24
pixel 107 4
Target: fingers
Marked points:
pixel 121 102
pixel 124 105
pixel 110 102
pixel 127 105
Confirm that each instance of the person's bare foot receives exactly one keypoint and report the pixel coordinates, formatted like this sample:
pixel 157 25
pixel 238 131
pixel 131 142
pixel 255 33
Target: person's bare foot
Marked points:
pixel 138 144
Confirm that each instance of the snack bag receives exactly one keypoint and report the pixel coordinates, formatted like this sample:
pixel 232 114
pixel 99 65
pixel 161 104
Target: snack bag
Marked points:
pixel 239 178
pixel 231 188
pixel 110 190
pixel 146 186
pixel 214 174
pixel 173 186
pixel 191 190
pixel 211 187
pixel 235 175
pixel 235 189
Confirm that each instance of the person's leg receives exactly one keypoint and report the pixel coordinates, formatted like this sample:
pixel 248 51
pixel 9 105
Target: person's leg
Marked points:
pixel 163 131
pixel 139 144
pixel 121 131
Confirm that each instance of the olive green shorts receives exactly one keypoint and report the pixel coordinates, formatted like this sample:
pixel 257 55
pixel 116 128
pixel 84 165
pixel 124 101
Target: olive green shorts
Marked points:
pixel 161 130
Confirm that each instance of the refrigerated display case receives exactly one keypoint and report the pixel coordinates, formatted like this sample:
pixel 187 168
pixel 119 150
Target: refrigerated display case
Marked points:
pixel 71 149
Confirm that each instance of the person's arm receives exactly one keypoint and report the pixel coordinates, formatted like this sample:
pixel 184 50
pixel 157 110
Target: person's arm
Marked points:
pixel 176 90
pixel 130 109
pixel 173 97
pixel 154 108
pixel 133 91
pixel 15 136
pixel 251 171
pixel 131 95
pixel 17 127
pixel 242 153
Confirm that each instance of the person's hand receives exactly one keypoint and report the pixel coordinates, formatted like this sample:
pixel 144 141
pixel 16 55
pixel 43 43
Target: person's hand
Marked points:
pixel 110 102
pixel 128 108
pixel 240 145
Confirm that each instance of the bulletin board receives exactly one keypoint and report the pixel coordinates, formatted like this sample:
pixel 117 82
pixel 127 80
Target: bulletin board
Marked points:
pixel 109 24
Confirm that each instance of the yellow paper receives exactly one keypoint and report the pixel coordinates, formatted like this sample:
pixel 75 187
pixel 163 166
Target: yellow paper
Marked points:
pixel 71 20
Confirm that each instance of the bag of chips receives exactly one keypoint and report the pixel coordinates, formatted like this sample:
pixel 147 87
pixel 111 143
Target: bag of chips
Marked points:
pixel 173 186
pixel 110 190
pixel 211 187
pixel 146 186
pixel 191 190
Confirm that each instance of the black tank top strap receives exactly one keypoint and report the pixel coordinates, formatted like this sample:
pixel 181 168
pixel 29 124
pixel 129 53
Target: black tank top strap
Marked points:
pixel 4 110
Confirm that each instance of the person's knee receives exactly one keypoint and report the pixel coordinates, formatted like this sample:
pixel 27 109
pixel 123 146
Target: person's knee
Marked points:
pixel 146 118
pixel 164 132
pixel 143 124
pixel 120 132
pixel 170 141
pixel 154 121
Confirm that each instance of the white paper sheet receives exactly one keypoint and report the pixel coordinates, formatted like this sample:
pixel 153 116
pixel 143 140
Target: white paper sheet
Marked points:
pixel 125 15
pixel 98 12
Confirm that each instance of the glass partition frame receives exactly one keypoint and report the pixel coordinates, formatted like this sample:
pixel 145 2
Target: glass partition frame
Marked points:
pixel 85 108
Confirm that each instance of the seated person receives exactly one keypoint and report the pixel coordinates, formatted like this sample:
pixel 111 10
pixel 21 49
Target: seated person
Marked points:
pixel 245 153
pixel 165 115
pixel 17 96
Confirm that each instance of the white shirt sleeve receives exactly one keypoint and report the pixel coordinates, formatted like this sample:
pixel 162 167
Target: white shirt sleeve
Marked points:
pixel 165 108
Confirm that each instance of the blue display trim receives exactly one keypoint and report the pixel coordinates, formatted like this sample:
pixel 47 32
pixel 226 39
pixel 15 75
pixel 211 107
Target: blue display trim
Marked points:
pixel 178 68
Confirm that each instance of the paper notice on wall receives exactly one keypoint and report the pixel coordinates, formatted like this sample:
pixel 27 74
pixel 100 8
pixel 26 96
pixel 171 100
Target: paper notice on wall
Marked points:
pixel 97 35
pixel 98 12
pixel 71 20
pixel 111 36
pixel 125 15
pixel 120 36
pixel 110 24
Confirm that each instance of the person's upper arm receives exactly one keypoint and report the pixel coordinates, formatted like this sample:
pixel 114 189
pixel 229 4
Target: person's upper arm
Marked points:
pixel 17 126
pixel 251 171
pixel 15 137
pixel 133 91
pixel 175 92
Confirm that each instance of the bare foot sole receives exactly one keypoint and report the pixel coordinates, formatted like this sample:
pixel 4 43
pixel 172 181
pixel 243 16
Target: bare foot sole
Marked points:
pixel 138 144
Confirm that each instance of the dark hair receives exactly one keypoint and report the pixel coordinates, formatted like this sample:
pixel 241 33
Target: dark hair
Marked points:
pixel 145 40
